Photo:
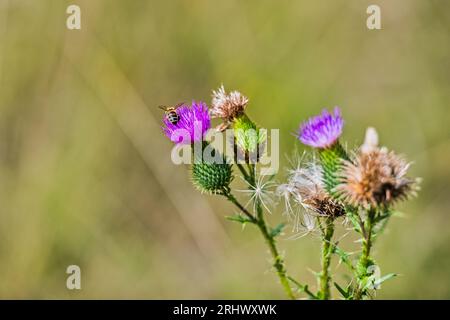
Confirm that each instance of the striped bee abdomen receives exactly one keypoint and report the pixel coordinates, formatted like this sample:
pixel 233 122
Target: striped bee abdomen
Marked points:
pixel 173 117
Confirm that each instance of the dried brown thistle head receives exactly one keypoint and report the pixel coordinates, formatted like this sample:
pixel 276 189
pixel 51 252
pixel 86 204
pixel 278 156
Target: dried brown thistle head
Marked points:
pixel 376 177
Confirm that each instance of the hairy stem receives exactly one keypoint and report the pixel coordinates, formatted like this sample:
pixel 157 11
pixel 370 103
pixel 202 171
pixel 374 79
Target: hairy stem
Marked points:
pixel 364 260
pixel 259 221
pixel 231 198
pixel 278 261
pixel 327 250
pixel 242 169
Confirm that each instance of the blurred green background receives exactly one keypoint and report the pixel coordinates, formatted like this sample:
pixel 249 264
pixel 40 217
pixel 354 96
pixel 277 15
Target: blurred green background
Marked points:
pixel 85 172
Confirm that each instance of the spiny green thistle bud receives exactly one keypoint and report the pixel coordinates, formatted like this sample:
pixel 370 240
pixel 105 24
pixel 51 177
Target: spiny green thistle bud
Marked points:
pixel 247 135
pixel 212 175
pixel 331 160
pixel 323 132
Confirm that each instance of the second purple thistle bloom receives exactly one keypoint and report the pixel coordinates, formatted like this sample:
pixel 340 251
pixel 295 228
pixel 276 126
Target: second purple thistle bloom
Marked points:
pixel 322 131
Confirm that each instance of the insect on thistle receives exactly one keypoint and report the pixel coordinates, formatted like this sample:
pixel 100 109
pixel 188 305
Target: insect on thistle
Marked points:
pixel 171 113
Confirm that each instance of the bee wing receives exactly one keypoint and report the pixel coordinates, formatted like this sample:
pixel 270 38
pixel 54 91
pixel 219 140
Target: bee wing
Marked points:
pixel 162 108
pixel 178 105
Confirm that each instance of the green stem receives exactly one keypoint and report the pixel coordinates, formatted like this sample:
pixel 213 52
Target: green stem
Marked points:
pixel 242 169
pixel 327 250
pixel 364 260
pixel 230 197
pixel 270 240
pixel 259 220
pixel 331 159
pixel 278 261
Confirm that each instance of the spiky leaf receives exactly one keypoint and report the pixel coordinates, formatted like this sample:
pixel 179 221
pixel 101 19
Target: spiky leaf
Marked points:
pixel 303 288
pixel 342 291
pixel 277 230
pixel 239 218
pixel 343 256
pixel 377 282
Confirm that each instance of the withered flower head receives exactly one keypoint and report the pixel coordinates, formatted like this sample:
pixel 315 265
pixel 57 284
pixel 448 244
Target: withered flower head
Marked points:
pixel 377 177
pixel 228 106
pixel 306 188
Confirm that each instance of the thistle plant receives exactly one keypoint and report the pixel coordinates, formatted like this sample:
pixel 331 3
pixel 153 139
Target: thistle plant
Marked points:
pixel 215 178
pixel 194 121
pixel 361 187
pixel 327 187
pixel 322 133
pixel 372 183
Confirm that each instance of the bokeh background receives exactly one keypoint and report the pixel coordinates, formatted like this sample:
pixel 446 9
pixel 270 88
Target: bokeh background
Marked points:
pixel 85 173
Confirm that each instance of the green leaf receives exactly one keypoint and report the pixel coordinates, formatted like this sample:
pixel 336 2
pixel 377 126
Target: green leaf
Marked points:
pixel 353 220
pixel 365 283
pixel 343 292
pixel 239 218
pixel 398 214
pixel 373 283
pixel 303 288
pixel 274 232
pixel 385 278
pixel 350 290
pixel 343 256
pixel 383 216
pixel 380 223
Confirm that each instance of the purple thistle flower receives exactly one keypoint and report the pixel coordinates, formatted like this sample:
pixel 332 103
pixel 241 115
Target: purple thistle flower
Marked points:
pixel 322 131
pixel 193 123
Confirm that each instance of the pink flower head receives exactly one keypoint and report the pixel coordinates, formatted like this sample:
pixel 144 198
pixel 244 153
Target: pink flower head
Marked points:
pixel 192 125
pixel 322 131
